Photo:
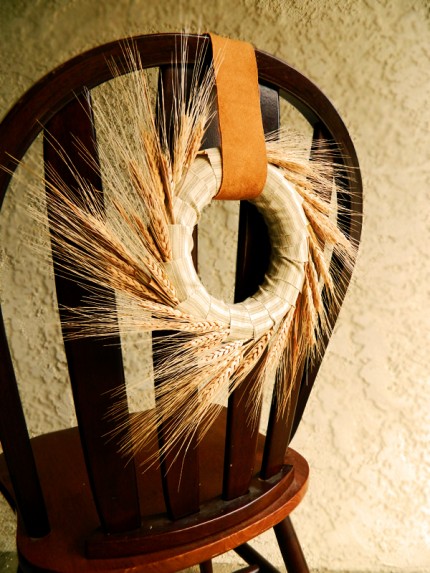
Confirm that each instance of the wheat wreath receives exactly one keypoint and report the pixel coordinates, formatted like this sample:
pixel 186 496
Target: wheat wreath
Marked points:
pixel 137 240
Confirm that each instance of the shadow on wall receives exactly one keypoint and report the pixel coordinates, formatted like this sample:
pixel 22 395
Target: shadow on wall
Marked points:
pixel 8 562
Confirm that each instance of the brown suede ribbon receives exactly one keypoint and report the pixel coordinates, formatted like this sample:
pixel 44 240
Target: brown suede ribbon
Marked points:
pixel 243 149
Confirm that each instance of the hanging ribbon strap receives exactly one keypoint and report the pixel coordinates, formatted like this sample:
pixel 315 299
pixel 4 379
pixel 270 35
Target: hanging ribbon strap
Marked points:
pixel 243 149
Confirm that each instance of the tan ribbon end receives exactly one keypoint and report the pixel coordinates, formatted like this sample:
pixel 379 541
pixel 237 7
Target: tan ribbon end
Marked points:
pixel 243 148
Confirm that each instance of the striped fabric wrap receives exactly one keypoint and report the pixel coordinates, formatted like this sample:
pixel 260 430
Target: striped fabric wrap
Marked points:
pixel 281 208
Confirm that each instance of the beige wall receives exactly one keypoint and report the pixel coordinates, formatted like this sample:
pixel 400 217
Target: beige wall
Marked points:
pixel 366 432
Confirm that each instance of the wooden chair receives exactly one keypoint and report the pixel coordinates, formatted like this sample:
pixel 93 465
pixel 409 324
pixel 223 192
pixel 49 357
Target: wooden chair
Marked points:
pixel 79 507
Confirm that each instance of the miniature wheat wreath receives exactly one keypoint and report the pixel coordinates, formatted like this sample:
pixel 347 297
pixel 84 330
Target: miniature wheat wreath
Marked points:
pixel 137 240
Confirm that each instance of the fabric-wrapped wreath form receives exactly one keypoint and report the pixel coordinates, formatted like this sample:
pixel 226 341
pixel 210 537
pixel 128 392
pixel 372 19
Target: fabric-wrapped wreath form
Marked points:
pixel 281 207
pixel 137 240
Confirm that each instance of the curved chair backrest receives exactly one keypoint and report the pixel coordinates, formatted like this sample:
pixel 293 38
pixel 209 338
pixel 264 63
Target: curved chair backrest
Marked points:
pixel 61 104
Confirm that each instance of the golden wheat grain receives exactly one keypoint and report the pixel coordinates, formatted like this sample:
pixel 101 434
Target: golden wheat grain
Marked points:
pixel 324 229
pixel 146 238
pixel 279 339
pixel 152 153
pixel 207 341
pixel 312 279
pixel 311 198
pixel 125 243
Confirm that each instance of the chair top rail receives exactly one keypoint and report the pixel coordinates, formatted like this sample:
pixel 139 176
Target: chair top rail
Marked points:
pixel 26 119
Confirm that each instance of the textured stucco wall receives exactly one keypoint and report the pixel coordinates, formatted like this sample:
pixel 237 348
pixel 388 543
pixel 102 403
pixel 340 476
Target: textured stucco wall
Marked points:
pixel 367 428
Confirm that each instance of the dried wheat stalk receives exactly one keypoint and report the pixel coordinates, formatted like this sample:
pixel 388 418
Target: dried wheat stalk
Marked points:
pixel 124 245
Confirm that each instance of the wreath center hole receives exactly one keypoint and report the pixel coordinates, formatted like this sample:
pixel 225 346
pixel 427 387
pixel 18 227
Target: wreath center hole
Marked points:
pixel 217 248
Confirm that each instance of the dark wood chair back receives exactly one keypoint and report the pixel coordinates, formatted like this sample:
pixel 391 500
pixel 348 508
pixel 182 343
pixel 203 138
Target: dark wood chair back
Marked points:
pixel 61 104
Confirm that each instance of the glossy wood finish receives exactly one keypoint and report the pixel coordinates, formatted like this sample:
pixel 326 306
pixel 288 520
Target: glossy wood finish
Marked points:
pixel 283 424
pixel 206 567
pixel 26 493
pixel 215 514
pixel 279 427
pixel 250 555
pixel 95 368
pixel 139 521
pixel 241 439
pixel 253 253
pixel 179 466
pixel 93 68
pixel 24 121
pixel 290 547
pixel 308 372
pixel 63 476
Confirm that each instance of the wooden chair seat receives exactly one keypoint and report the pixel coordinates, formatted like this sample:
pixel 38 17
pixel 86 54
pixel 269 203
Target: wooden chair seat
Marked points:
pixel 218 527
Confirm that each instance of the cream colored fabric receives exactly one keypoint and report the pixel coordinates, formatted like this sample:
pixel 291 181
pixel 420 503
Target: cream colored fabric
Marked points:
pixel 281 207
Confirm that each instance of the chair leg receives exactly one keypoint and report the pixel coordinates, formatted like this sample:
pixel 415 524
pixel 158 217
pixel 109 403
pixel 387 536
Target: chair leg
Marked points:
pixel 252 557
pixel 206 567
pixel 289 545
